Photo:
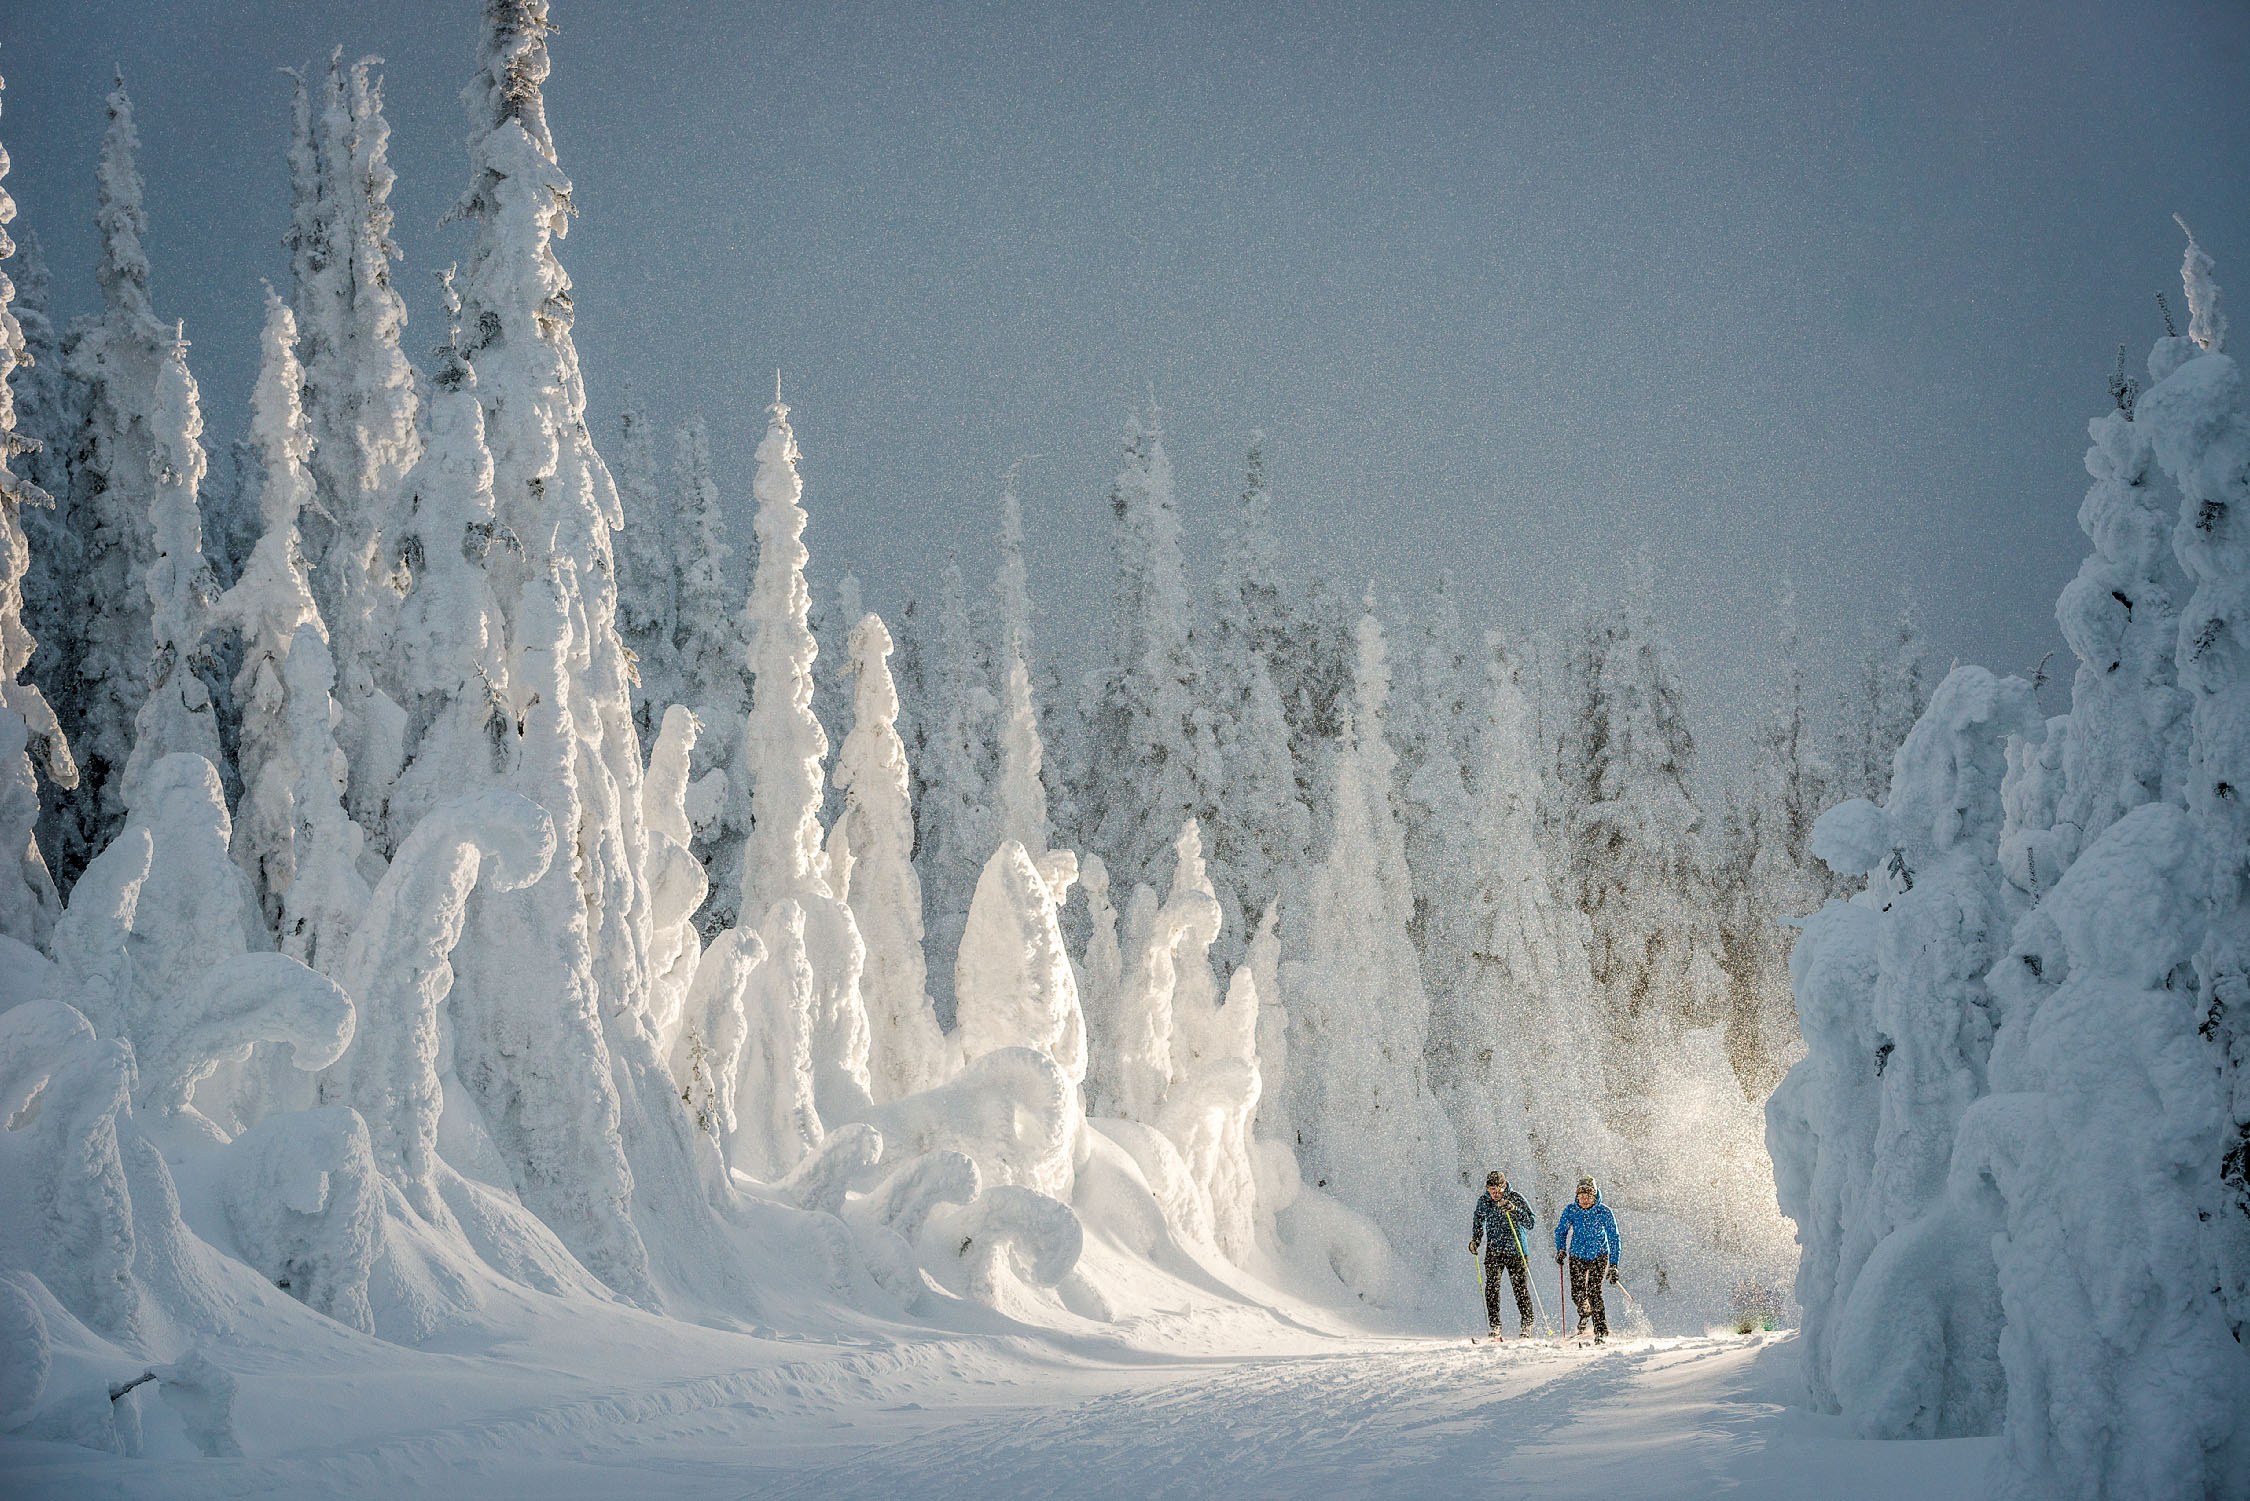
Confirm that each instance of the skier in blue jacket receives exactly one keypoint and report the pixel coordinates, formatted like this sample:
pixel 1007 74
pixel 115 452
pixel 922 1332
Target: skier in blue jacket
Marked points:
pixel 1586 1236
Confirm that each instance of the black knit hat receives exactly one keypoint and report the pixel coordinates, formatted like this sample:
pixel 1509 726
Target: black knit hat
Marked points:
pixel 1495 1178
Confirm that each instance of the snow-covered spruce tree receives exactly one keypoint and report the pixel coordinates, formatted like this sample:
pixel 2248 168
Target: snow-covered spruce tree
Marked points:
pixel 1153 762
pixel 1433 730
pixel 449 650
pixel 48 405
pixel 779 771
pixel 714 662
pixel 178 716
pixel 1261 834
pixel 2119 1363
pixel 832 676
pixel 551 1040
pixel 1213 1081
pixel 1634 866
pixel 1313 674
pixel 266 605
pixel 2120 990
pixel 906 1050
pixel 1892 692
pixel 362 407
pixel 957 768
pixel 1513 1054
pixel 1019 789
pixel 1903 1308
pixel 648 583
pixel 2201 431
pixel 1369 1132
pixel 116 358
pixel 28 903
pixel 1017 993
pixel 1770 877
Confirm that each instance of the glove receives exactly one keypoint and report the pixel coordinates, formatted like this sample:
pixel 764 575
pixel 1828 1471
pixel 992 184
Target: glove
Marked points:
pixel 1558 1258
pixel 1613 1276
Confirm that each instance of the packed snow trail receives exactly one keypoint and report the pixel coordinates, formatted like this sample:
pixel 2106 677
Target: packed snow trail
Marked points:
pixel 997 1418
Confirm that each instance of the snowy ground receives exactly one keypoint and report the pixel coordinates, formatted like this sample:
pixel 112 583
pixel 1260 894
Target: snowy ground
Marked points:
pixel 991 1416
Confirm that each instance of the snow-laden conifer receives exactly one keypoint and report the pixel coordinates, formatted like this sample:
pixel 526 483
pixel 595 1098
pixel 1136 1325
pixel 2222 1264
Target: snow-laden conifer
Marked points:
pixel 28 903
pixel 48 412
pixel 178 717
pixel 1019 791
pixel 1513 1051
pixel 1370 1132
pixel 2200 426
pixel 266 606
pixel 713 652
pixel 1261 832
pixel 580 1106
pixel 648 607
pixel 361 406
pixel 958 770
pixel 780 771
pixel 117 357
pixel 449 648
pixel 906 1051
pixel 1152 762
pixel 1940 914
pixel 1893 690
pixel 2124 744
pixel 1769 875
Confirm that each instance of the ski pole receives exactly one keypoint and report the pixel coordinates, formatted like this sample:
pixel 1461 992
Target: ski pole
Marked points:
pixel 1525 1257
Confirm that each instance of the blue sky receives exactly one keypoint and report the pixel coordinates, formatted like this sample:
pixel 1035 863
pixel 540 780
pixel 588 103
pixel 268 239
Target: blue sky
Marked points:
pixel 1769 290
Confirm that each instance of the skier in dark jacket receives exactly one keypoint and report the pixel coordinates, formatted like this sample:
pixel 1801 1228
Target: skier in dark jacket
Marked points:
pixel 1586 1235
pixel 1498 1224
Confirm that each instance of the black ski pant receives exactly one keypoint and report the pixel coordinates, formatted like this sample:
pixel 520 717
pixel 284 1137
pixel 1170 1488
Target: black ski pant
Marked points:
pixel 1586 1292
pixel 1496 1262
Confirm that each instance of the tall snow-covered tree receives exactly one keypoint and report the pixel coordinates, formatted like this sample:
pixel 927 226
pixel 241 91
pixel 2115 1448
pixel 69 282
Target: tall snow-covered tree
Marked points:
pixel 28 903
pixel 117 358
pixel 648 584
pixel 874 840
pixel 266 606
pixel 958 768
pixel 1019 789
pixel 361 405
pixel 714 661
pixel 1513 1053
pixel 1369 1131
pixel 550 1038
pixel 178 715
pixel 2200 428
pixel 1152 761
pixel 1893 690
pixel 1635 868
pixel 2125 745
pixel 1261 834
pixel 449 636
pixel 784 748
pixel 48 412
pixel 780 771
pixel 1432 729
pixel 1769 876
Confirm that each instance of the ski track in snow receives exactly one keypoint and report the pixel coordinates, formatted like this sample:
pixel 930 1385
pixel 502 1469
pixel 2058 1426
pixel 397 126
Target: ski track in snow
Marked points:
pixel 989 1419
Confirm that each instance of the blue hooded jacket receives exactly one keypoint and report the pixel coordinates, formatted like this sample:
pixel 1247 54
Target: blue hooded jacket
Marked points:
pixel 1589 1234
